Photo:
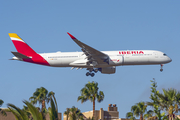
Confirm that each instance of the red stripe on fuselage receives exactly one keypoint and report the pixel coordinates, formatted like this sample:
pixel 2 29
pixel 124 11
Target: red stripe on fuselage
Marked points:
pixel 37 59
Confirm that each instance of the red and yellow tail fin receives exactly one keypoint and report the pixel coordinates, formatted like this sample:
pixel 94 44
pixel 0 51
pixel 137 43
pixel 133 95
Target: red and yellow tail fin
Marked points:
pixel 25 52
pixel 21 46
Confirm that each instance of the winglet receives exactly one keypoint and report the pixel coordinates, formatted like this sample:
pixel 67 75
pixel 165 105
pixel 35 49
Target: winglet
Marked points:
pixel 71 36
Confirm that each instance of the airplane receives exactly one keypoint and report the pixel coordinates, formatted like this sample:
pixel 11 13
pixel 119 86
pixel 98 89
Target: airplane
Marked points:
pixel 91 59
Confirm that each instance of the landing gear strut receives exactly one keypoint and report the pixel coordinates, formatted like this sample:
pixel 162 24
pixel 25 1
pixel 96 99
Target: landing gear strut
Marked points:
pixel 91 72
pixel 161 68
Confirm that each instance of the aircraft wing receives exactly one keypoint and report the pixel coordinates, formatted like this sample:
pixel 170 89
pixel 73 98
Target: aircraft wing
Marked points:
pixel 92 54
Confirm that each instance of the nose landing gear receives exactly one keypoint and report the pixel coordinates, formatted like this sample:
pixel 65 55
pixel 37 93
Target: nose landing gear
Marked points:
pixel 161 68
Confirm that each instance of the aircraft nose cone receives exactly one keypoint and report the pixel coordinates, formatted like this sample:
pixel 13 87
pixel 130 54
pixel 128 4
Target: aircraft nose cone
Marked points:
pixel 169 59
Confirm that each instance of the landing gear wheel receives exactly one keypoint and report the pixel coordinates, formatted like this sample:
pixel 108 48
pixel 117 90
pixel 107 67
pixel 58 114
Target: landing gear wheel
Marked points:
pixel 96 70
pixel 87 74
pixel 90 70
pixel 92 74
pixel 161 70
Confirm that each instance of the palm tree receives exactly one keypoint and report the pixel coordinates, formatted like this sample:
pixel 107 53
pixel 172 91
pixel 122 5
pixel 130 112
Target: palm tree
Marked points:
pixel 27 111
pixel 67 113
pixel 53 110
pixel 1 110
pixel 130 116
pixel 149 115
pixel 41 95
pixel 170 100
pixel 90 92
pixel 74 113
pixel 21 114
pixel 139 109
pixel 33 112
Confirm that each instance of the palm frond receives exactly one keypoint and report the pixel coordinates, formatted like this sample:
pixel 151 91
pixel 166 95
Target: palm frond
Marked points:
pixel 18 113
pixel 1 102
pixel 53 111
pixel 34 111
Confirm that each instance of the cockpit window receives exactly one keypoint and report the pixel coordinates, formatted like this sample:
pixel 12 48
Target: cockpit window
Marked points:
pixel 164 54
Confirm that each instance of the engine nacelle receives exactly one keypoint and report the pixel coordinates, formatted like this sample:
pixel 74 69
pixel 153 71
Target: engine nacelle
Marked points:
pixel 108 70
pixel 115 60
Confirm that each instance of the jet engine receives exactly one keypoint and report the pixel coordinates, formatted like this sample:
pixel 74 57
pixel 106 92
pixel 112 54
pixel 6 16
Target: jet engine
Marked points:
pixel 108 70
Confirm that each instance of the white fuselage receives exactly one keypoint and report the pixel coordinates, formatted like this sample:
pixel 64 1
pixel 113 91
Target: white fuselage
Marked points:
pixel 116 58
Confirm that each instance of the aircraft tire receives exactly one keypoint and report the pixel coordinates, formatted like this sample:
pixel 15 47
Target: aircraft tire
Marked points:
pixel 90 70
pixel 95 70
pixel 87 74
pixel 92 74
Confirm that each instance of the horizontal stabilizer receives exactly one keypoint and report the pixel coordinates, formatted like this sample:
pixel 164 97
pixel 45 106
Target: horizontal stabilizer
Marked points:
pixel 19 55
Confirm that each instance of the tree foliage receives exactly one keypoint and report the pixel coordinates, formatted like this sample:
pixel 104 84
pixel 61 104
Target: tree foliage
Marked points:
pixel 170 102
pixel 53 110
pixel 30 112
pixel 41 95
pixel 74 113
pixel 90 92
pixel 155 101
pixel 2 112
pixel 67 112
pixel 139 109
pixel 130 116
pixel 34 112
pixel 21 115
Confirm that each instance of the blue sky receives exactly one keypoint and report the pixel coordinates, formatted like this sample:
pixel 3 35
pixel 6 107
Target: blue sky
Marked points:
pixel 104 25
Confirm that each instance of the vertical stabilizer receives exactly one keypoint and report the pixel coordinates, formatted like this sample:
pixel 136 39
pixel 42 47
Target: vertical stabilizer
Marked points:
pixel 21 46
pixel 25 52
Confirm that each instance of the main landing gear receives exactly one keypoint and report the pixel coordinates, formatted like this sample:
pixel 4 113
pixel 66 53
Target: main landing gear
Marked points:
pixel 91 70
pixel 161 68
